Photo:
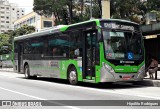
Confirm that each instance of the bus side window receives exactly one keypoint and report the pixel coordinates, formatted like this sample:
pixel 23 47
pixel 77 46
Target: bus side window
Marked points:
pixel 75 44
pixel 58 45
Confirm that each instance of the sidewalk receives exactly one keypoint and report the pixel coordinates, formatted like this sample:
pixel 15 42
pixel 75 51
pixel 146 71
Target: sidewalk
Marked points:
pixel 155 82
pixel 6 69
pixel 158 75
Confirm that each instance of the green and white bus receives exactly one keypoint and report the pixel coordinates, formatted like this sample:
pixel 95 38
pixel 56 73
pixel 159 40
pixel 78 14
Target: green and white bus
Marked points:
pixel 99 50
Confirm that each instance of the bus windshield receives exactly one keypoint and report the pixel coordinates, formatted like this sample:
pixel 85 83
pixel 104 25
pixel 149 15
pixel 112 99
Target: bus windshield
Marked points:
pixel 122 45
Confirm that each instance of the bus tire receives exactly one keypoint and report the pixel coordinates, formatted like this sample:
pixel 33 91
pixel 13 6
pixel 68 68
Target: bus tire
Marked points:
pixel 27 72
pixel 72 76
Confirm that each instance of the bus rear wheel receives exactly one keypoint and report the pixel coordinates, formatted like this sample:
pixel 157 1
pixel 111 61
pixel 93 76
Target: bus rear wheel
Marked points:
pixel 72 76
pixel 27 72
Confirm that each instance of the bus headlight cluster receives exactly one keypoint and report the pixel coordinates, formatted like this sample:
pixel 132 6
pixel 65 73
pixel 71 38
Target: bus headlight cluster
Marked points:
pixel 108 68
pixel 142 69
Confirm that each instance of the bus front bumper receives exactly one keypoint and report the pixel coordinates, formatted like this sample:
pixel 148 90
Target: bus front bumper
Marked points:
pixel 107 76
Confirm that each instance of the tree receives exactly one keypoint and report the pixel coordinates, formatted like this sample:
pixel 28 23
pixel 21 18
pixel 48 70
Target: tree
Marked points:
pixel 25 29
pixel 134 10
pixel 67 11
pixel 5 46
pixel 7 37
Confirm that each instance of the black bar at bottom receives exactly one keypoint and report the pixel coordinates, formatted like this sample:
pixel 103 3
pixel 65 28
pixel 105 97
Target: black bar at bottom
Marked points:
pixel 39 103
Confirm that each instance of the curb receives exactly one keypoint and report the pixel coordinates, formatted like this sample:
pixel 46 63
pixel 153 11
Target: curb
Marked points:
pixel 156 83
pixel 149 82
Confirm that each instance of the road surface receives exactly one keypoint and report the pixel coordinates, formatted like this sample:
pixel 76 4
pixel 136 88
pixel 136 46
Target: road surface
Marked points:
pixel 14 86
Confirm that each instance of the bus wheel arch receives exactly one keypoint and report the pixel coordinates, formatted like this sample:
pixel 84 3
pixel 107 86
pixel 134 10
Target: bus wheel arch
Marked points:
pixel 72 74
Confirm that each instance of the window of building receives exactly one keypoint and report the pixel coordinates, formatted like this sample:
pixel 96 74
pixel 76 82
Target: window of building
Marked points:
pixel 15 26
pixel 7 17
pixel 24 22
pixel 2 16
pixel 31 20
pixel 47 23
pixel 2 12
pixel 7 8
pixel 7 21
pixel 18 26
pixel 2 7
pixel 13 9
pixel 34 19
pixel 2 31
pixel 17 11
pixel 28 21
pixel 2 21
pixel 2 26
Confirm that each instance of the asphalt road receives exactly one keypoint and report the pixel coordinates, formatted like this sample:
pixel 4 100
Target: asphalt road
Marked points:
pixel 14 86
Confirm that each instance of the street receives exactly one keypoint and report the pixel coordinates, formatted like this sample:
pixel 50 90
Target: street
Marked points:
pixel 14 86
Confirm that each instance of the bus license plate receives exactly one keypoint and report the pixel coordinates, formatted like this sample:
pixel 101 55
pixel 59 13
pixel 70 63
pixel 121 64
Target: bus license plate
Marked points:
pixel 126 77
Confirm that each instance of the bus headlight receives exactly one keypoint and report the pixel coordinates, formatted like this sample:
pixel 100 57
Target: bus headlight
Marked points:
pixel 108 68
pixel 142 69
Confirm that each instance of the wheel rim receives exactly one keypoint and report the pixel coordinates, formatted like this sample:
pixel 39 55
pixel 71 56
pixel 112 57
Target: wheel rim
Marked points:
pixel 26 72
pixel 73 76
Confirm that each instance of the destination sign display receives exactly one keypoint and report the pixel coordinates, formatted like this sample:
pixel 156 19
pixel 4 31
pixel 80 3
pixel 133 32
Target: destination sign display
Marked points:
pixel 120 25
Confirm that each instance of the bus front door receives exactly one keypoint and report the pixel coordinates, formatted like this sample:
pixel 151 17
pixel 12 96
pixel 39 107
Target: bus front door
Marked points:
pixel 89 55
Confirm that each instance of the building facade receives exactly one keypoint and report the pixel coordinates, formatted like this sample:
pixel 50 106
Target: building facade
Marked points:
pixel 33 19
pixel 9 12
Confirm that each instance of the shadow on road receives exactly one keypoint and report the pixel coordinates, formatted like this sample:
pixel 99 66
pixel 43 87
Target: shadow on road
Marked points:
pixel 117 85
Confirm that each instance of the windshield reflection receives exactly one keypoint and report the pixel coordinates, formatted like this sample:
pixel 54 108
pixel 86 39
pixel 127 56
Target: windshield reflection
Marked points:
pixel 119 44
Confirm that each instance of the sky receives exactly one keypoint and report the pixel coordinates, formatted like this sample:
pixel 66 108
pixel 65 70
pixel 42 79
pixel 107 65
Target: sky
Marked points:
pixel 27 4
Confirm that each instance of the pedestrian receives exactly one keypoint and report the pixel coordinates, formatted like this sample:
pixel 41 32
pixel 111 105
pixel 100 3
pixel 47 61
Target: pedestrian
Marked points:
pixel 153 67
pixel 147 64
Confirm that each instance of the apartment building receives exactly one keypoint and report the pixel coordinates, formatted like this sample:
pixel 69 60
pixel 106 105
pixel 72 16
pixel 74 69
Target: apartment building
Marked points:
pixel 33 19
pixel 9 12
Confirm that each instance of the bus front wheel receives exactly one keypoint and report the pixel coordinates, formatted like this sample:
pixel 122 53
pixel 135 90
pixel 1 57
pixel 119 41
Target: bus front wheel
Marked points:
pixel 72 76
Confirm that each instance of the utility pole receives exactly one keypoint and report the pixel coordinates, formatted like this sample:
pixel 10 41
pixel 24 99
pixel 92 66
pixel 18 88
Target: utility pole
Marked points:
pixel 106 9
pixel 91 10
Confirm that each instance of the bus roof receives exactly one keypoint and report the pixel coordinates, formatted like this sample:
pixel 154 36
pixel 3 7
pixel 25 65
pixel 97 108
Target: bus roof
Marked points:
pixel 65 27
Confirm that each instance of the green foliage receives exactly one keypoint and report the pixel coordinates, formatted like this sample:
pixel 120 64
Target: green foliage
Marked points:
pixel 67 11
pixel 72 11
pixel 24 30
pixel 4 42
pixel 134 10
pixel 6 39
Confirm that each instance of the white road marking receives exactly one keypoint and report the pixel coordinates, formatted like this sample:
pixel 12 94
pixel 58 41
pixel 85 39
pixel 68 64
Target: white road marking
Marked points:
pixel 38 98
